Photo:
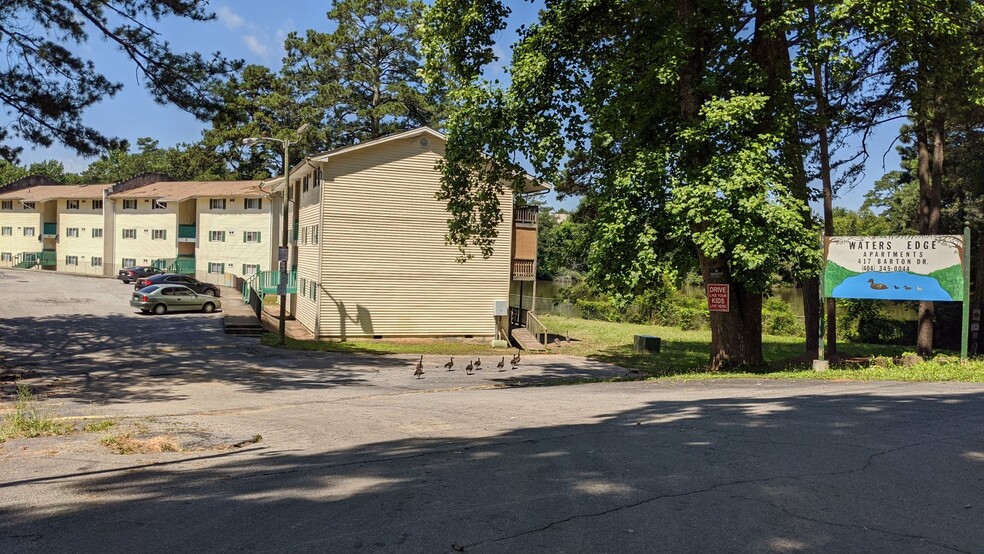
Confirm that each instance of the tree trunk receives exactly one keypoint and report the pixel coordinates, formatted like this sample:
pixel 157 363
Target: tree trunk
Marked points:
pixel 978 290
pixel 736 335
pixel 770 49
pixel 924 338
pixel 820 97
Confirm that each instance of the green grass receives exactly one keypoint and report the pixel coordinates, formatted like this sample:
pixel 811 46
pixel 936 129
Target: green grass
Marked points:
pixel 684 354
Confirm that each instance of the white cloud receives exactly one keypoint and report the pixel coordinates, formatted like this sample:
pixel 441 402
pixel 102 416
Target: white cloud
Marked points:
pixel 256 46
pixel 229 18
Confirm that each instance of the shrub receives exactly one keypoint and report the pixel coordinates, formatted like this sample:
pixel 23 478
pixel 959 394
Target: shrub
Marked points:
pixel 597 309
pixel 690 313
pixel 866 321
pixel 778 318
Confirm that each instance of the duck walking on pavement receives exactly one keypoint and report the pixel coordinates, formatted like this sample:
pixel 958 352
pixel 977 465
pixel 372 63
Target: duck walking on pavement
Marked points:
pixel 468 368
pixel 501 363
pixel 450 365
pixel 420 368
pixel 515 360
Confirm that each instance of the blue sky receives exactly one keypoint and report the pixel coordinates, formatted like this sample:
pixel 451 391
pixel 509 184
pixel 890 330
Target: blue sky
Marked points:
pixel 254 31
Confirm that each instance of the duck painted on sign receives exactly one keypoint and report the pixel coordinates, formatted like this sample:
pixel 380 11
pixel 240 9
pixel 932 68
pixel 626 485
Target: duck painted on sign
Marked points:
pixel 877 286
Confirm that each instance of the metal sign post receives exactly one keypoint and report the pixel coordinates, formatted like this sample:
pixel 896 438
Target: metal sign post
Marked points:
pixel 965 337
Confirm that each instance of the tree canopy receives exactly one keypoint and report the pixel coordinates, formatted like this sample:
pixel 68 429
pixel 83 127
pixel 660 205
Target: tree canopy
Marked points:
pixel 46 86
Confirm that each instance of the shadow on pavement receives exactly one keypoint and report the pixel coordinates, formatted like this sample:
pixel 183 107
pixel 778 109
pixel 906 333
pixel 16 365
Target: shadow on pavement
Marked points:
pixel 800 473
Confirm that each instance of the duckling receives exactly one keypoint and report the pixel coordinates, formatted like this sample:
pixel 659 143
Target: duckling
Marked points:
pixel 478 364
pixel 876 286
pixel 468 368
pixel 501 363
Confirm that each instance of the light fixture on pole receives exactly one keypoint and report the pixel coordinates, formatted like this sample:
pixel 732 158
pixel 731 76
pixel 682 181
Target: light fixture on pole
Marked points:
pixel 282 253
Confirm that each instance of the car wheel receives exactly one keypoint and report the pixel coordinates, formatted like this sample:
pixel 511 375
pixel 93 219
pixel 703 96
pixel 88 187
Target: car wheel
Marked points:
pixel 210 292
pixel 208 307
pixel 126 282
pixel 160 309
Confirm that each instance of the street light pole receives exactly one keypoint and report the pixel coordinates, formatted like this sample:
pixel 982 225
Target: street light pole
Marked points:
pixel 282 253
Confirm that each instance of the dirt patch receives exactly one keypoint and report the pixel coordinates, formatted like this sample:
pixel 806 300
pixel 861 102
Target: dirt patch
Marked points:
pixel 126 443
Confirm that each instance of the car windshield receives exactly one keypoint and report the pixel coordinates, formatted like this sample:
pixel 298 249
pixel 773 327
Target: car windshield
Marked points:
pixel 149 289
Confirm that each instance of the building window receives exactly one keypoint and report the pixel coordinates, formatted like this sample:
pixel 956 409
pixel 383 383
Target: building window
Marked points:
pixel 254 204
pixel 97 204
pixel 6 257
pixel 28 205
pixel 158 205
pixel 97 261
pixel 307 182
pixel 216 267
pixel 216 236
pixel 28 231
pixel 72 232
pixel 97 233
pixel 7 205
pixel 250 269
pixel 129 262
pixel 160 234
pixel 129 203
pixel 317 178
pixel 71 260
pixel 71 204
pixel 314 234
pixel 251 236
pixel 6 231
pixel 314 291
pixel 216 204
pixel 129 233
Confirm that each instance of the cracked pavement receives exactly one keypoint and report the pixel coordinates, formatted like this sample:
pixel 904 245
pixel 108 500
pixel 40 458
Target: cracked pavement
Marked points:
pixel 357 456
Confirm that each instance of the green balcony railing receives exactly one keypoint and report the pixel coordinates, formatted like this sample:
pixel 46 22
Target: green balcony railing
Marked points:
pixel 265 282
pixel 187 232
pixel 184 265
pixel 50 229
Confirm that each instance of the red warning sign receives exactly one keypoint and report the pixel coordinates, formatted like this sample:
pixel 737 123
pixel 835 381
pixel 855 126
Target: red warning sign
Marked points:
pixel 718 298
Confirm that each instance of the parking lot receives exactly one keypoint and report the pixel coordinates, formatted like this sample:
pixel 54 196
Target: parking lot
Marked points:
pixel 297 451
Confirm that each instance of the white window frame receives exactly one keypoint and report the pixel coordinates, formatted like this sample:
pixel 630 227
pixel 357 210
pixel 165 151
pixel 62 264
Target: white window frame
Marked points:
pixel 216 203
pixel 129 203
pixel 31 233
pixel 254 204
pixel 216 267
pixel 6 231
pixel 133 262
pixel 97 261
pixel 247 267
pixel 6 256
pixel 248 235
pixel 131 232
pixel 97 232
pixel 72 232
pixel 159 234
pixel 216 236
pixel 6 205
pixel 28 205
pixel 72 204
pixel 71 260
pixel 314 234
pixel 97 204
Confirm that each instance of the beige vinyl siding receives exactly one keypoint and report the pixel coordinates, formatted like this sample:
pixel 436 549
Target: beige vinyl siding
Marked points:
pixel 307 260
pixel 144 249
pixel 386 270
pixel 17 243
pixel 84 246
pixel 235 221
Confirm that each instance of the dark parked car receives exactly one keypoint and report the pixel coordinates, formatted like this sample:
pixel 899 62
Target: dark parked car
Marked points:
pixel 161 299
pixel 128 274
pixel 208 289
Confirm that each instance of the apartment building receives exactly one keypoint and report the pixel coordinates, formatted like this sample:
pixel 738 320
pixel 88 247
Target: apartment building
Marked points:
pixel 53 226
pixel 204 228
pixel 371 256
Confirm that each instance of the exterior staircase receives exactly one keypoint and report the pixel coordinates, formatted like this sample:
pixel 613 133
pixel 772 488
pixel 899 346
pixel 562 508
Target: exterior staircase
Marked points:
pixel 526 340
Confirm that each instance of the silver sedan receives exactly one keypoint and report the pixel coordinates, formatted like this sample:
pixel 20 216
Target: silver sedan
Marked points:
pixel 161 299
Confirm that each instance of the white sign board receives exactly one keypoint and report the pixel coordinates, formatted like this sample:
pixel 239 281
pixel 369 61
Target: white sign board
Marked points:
pixel 501 307
pixel 914 267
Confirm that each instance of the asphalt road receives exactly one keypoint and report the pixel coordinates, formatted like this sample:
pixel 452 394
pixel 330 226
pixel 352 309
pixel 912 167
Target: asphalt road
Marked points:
pixel 357 456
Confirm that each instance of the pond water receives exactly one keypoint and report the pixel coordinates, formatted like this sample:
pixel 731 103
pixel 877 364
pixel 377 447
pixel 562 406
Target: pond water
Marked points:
pixel 891 286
